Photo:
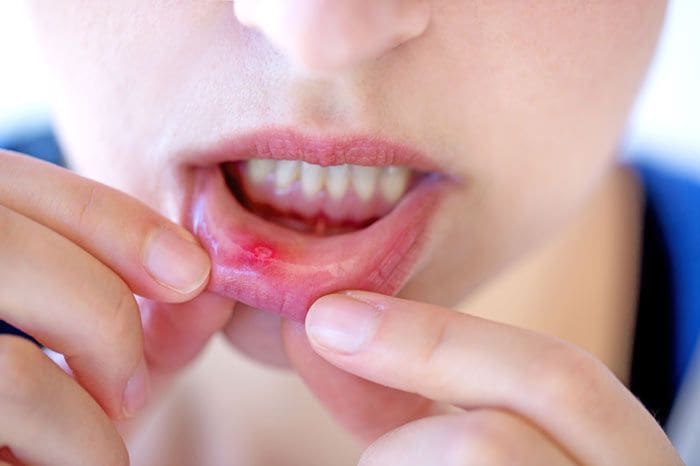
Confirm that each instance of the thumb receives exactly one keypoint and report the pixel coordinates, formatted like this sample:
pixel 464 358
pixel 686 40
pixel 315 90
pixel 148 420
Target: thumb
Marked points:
pixel 365 408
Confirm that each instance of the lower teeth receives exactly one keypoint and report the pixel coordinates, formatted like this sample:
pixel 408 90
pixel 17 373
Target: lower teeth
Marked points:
pixel 319 226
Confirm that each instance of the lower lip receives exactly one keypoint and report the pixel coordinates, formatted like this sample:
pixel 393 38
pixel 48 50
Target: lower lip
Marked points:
pixel 269 267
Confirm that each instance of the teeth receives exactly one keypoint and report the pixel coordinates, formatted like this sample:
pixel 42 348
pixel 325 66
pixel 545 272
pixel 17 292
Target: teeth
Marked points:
pixel 364 180
pixel 258 169
pixel 393 183
pixel 286 173
pixel 338 181
pixel 390 182
pixel 312 178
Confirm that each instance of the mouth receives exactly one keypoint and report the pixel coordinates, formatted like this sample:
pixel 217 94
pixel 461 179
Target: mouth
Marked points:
pixel 317 200
pixel 288 218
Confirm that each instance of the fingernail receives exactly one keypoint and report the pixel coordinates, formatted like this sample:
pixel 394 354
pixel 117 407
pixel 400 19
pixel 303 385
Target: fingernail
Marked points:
pixel 175 262
pixel 136 391
pixel 342 323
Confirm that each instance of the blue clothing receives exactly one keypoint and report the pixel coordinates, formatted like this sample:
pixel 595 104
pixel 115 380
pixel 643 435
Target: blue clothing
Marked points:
pixel 37 140
pixel 669 298
pixel 676 202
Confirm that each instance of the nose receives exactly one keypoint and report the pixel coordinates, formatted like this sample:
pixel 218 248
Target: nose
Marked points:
pixel 328 35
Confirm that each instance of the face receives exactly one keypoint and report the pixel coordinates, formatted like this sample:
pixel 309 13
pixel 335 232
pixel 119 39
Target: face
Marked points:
pixel 441 139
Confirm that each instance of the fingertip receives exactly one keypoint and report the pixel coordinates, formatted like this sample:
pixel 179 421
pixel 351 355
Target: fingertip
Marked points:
pixel 342 323
pixel 176 261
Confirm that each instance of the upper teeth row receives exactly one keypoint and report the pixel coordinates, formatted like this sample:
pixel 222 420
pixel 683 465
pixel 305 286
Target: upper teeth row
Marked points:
pixel 391 181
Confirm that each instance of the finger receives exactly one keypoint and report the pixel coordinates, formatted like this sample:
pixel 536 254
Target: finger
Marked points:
pixel 46 417
pixel 155 257
pixel 74 304
pixel 176 333
pixel 476 438
pixel 472 362
pixel 350 399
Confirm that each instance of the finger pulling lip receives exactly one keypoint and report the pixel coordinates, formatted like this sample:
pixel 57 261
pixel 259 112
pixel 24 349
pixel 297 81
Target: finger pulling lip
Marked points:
pixel 270 267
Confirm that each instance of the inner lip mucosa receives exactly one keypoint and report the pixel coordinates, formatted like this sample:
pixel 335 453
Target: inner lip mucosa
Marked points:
pixel 318 200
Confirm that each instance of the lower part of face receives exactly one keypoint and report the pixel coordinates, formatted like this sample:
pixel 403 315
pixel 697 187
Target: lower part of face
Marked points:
pixel 517 106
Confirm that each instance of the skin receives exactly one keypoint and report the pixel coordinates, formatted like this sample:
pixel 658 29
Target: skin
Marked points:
pixel 522 104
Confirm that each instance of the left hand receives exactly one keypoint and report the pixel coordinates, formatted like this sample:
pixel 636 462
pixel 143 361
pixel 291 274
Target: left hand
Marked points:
pixel 451 388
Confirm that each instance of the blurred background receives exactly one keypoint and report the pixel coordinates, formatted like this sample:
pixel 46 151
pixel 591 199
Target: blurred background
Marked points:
pixel 666 119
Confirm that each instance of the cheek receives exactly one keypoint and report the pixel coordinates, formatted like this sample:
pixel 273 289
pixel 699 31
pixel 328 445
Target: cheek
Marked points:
pixel 527 99
pixel 126 76
pixel 546 98
pixel 544 90
pixel 562 106
pixel 539 77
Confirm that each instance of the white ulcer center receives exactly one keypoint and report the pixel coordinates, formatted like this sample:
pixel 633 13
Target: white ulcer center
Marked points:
pixel 367 182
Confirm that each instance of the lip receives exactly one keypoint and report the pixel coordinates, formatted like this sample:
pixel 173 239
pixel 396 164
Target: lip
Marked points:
pixel 288 144
pixel 273 268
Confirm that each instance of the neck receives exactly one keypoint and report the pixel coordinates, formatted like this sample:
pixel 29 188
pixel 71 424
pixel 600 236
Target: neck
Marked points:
pixel 581 285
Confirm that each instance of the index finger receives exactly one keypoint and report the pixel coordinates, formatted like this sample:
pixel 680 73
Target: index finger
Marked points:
pixel 155 257
pixel 472 362
pixel 74 304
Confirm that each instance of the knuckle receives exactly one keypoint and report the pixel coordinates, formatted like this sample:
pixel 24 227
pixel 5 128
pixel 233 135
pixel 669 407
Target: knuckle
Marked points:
pixel 19 382
pixel 436 356
pixel 119 322
pixel 87 205
pixel 437 333
pixel 565 375
pixel 480 438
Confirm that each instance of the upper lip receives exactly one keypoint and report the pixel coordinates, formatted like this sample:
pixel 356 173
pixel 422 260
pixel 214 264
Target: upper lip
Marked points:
pixel 289 144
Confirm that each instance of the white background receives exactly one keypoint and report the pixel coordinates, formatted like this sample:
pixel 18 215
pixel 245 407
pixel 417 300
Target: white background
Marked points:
pixel 667 117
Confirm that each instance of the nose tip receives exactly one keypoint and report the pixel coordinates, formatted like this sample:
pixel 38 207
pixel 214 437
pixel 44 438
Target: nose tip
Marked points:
pixel 327 35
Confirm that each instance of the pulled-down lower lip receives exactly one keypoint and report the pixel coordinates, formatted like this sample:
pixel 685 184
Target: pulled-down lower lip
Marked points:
pixel 270 267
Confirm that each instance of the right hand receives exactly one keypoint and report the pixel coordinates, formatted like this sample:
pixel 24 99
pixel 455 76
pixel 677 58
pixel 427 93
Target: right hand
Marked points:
pixel 73 253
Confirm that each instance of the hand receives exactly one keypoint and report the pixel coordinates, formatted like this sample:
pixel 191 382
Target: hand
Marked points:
pixel 456 389
pixel 72 253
